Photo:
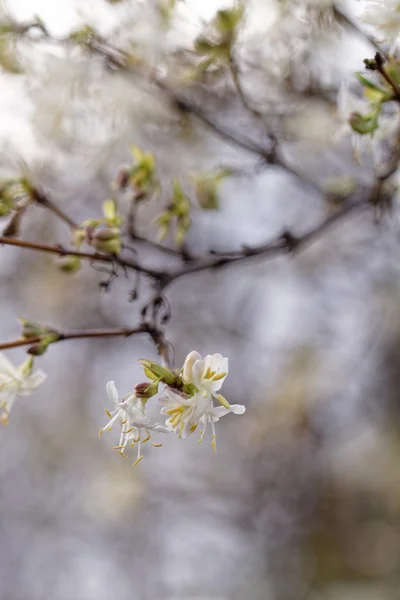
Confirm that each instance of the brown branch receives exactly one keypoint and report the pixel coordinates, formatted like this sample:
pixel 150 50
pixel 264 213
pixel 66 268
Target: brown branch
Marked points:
pixel 92 256
pixel 156 335
pixel 285 243
pixel 86 334
pixel 378 64
pixel 44 201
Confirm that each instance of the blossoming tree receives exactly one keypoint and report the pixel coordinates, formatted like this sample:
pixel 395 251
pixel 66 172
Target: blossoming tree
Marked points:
pixel 188 82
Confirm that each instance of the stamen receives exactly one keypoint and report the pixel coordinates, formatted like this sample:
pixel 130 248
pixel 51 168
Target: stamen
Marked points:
pixel 147 439
pixel 137 461
pixel 100 432
pixel 219 376
pixel 193 428
pixel 126 432
pixel 223 401
pixel 123 455
pixel 157 445
pixel 109 415
pixel 213 443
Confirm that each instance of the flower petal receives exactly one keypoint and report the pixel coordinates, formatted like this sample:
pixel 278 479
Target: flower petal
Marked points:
pixel 7 368
pixel 112 392
pixel 238 409
pixel 221 411
pixel 32 382
pixel 197 373
pixel 191 358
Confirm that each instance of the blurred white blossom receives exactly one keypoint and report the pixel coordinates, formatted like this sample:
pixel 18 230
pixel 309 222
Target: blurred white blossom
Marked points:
pixel 385 16
pixel 16 381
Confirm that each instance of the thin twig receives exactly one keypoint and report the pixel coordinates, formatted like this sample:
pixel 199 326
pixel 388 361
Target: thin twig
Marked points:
pixel 92 256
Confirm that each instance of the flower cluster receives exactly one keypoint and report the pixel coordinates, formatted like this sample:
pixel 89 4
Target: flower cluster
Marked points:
pixel 189 397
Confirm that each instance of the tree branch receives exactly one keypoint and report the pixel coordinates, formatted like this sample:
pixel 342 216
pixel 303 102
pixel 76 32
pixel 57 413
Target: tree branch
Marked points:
pixel 92 256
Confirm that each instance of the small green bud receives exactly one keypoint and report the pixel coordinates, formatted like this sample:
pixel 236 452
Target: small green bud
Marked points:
pixel 363 124
pixel 30 329
pixel 41 347
pixel 69 264
pixel 78 237
pixel 107 240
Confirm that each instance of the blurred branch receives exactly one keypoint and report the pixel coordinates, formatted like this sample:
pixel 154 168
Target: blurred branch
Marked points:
pixel 287 242
pixel 155 334
pixel 92 256
pixel 44 201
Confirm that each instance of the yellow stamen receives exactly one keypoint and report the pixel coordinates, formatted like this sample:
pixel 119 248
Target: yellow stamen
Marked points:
pixel 147 439
pixel 223 401
pixel 100 432
pixel 108 413
pixel 214 444
pixel 208 374
pixel 109 428
pixel 126 432
pixel 181 427
pixel 173 411
pixel 123 455
pixel 4 419
pixel 219 376
pixel 175 420
pixel 118 447
pixel 123 422
pixel 137 461
pixel 136 440
pixel 157 445
pixel 193 428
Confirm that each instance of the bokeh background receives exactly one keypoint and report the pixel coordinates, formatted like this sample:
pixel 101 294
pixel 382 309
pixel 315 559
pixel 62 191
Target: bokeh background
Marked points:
pixel 302 499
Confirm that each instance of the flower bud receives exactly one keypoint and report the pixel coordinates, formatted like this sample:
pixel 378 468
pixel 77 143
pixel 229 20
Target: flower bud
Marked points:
pixel 122 179
pixel 30 329
pixel 37 349
pixel 78 237
pixel 69 264
pixel 155 371
pixel 41 347
pixel 146 390
pixel 107 240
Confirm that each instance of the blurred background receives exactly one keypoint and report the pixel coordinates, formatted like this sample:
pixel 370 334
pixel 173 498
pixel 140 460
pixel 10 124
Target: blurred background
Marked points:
pixel 302 499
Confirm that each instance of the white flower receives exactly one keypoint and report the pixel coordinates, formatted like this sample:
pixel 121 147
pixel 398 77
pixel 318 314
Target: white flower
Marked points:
pixel 131 415
pixel 385 16
pixel 16 381
pixel 206 374
pixel 186 412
